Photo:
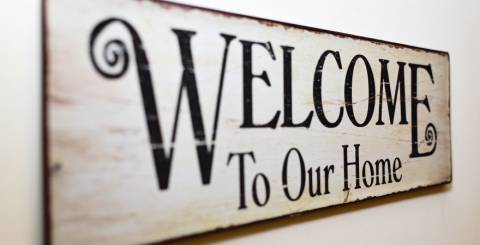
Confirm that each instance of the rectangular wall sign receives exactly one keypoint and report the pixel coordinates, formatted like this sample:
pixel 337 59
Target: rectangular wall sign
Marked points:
pixel 164 120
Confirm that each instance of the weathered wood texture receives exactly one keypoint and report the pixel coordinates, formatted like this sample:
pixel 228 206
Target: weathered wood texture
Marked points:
pixel 102 182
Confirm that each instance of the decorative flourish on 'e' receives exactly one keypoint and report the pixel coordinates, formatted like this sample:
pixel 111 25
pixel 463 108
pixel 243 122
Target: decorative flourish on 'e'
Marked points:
pixel 431 136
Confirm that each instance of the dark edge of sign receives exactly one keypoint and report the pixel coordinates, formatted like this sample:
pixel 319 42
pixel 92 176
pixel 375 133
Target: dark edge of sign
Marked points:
pixel 450 116
pixel 47 229
pixel 47 222
pixel 295 214
pixel 167 4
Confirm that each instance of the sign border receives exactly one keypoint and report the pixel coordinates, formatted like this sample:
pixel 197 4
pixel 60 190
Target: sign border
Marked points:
pixel 47 222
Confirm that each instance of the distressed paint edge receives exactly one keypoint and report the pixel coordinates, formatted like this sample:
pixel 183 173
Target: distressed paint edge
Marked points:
pixel 47 221
pixel 450 116
pixel 270 22
pixel 46 202
pixel 299 213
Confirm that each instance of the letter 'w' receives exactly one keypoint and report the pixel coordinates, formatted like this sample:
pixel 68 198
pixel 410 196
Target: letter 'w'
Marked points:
pixel 163 160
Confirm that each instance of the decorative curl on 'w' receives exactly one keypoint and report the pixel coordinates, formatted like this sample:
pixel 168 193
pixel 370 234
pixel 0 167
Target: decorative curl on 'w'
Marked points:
pixel 116 55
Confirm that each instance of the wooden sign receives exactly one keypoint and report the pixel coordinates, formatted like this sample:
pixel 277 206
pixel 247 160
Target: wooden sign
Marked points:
pixel 165 120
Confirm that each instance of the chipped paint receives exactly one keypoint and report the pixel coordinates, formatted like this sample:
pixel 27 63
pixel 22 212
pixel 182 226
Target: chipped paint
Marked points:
pixel 101 118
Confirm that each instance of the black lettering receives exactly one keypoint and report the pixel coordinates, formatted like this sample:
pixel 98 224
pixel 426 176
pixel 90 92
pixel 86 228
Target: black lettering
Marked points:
pixel 287 92
pixel 317 90
pixel 327 170
pixel 348 91
pixel 248 77
pixel 364 173
pixel 163 157
pixel 318 189
pixel 400 88
pixel 346 164
pixel 385 164
pixel 285 175
pixel 395 168
pixel 267 190
pixel 430 131
pixel 241 173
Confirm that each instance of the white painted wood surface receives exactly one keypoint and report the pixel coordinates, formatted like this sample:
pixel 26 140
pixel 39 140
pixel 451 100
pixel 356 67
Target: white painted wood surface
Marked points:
pixel 103 186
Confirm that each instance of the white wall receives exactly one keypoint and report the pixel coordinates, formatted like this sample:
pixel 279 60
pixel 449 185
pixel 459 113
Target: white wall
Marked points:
pixel 438 215
pixel 20 181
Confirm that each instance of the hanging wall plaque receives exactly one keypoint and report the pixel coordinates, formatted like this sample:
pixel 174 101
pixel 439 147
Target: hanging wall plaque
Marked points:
pixel 164 120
